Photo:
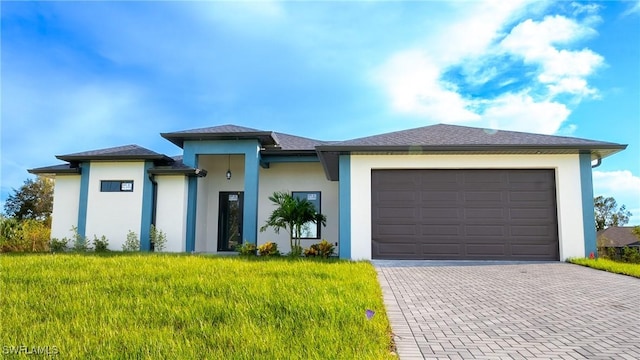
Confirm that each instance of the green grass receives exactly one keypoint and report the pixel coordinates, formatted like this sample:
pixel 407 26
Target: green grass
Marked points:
pixel 609 265
pixel 146 306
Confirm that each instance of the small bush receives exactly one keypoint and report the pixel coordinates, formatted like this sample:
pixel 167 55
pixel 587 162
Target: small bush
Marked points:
pixel 100 245
pixel 56 245
pixel 631 255
pixel 246 249
pixel 132 243
pixel 322 249
pixel 157 238
pixel 268 249
pixel 80 243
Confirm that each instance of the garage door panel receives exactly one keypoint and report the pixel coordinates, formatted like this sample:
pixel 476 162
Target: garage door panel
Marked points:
pixel 396 212
pixel 486 250
pixel 399 229
pixel 439 213
pixel 464 214
pixel 531 214
pixel 532 230
pixel 539 250
pixel 485 230
pixel 396 196
pixel 484 196
pixel 430 230
pixel 441 249
pixel 484 213
pixel 397 248
pixel 435 195
pixel 529 196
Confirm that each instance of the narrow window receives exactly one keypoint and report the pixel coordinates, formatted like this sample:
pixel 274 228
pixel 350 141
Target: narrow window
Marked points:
pixel 116 185
pixel 310 230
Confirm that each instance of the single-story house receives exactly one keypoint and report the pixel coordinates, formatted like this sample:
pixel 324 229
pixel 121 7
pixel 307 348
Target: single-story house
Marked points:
pixel 617 237
pixel 434 192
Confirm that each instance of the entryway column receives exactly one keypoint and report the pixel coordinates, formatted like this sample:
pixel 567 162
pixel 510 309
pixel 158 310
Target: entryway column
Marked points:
pixel 251 186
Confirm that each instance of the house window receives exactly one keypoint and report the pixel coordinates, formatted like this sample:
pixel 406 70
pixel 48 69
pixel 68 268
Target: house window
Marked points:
pixel 116 185
pixel 309 230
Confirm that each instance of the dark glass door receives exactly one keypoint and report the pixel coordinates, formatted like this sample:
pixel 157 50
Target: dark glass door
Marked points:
pixel 230 220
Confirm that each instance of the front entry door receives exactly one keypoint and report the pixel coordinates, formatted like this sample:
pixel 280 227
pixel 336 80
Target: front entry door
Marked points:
pixel 230 220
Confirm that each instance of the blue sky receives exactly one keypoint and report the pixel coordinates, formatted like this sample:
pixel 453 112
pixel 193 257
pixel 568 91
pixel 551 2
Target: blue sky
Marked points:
pixel 79 76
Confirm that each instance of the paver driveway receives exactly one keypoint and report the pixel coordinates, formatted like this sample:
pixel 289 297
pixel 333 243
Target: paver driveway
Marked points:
pixel 462 310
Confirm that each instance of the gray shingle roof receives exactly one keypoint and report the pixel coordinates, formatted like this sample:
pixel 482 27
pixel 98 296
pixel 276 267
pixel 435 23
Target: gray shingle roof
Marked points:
pixel 273 141
pixel 55 169
pixel 176 167
pixel 443 139
pixel 221 132
pixel 292 142
pixel 618 236
pixel 220 129
pixel 443 135
pixel 132 152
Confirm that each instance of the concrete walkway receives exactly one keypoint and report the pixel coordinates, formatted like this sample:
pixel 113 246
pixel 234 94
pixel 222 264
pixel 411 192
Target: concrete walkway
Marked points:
pixel 495 310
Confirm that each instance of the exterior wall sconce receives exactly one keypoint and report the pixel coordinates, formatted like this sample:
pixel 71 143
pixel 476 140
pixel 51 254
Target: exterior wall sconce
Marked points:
pixel 229 169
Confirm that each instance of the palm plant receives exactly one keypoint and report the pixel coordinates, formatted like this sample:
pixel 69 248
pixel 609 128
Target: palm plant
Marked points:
pixel 292 214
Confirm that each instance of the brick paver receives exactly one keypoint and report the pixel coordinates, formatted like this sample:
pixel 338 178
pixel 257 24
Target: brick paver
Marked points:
pixel 510 311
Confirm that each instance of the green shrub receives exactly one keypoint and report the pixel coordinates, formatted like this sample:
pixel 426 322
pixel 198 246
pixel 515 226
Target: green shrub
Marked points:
pixel 268 249
pixel 80 243
pixel 24 236
pixel 322 249
pixel 132 243
pixel 56 245
pixel 631 255
pixel 101 244
pixel 157 238
pixel 246 249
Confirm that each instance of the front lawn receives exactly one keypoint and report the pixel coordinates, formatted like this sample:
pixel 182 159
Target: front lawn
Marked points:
pixel 609 265
pixel 148 306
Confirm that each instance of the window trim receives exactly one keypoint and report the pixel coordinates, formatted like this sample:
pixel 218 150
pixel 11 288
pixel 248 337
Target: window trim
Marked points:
pixel 304 195
pixel 116 186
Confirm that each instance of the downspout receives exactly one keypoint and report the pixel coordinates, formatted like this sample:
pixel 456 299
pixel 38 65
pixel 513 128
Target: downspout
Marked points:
pixel 154 201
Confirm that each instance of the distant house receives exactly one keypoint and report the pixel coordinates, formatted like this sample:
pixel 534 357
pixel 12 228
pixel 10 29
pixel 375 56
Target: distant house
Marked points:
pixel 435 192
pixel 618 237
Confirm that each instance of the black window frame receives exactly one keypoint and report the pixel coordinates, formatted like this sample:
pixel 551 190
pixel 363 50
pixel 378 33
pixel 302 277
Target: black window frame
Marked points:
pixel 115 185
pixel 317 203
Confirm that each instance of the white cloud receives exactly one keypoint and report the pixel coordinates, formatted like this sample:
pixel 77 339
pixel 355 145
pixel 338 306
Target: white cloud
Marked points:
pixel 522 113
pixel 564 71
pixel 476 45
pixel 622 185
pixel 633 9
pixel 617 181
pixel 411 79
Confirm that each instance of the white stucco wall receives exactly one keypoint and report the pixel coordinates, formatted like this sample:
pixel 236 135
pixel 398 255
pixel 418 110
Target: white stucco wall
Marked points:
pixel 113 214
pixel 66 197
pixel 568 190
pixel 171 210
pixel 290 177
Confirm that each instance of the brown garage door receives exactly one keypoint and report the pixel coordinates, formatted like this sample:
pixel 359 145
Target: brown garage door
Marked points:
pixel 464 214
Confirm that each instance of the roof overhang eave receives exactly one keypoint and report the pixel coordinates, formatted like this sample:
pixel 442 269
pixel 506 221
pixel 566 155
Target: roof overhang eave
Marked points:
pixel 266 138
pixel 329 154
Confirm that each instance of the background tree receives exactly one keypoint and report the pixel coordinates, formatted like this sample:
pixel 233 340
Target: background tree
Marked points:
pixel 34 200
pixel 607 213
